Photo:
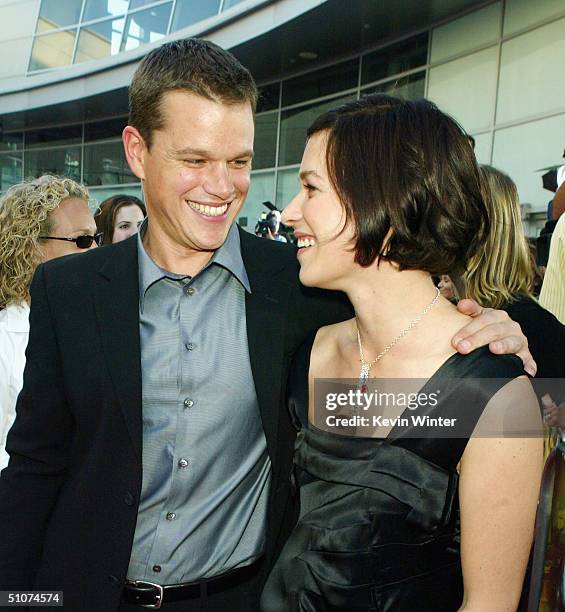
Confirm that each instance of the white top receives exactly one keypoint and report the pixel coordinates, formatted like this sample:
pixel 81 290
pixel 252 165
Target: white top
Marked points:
pixel 552 295
pixel 14 333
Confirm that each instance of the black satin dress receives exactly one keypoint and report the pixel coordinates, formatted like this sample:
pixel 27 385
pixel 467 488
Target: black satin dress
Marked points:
pixel 379 518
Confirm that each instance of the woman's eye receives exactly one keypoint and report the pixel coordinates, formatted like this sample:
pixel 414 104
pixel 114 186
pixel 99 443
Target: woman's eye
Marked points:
pixel 309 188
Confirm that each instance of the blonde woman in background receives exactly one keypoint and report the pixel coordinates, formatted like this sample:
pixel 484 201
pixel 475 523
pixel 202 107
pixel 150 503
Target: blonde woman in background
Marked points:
pixel 501 275
pixel 39 220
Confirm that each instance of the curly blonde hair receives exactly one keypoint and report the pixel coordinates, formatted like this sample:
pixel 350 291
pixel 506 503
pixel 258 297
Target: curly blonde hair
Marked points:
pixel 24 216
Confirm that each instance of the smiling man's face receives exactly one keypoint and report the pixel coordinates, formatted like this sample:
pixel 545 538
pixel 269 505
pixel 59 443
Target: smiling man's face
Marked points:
pixel 197 171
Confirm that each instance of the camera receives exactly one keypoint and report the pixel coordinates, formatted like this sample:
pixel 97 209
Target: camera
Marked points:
pixel 266 222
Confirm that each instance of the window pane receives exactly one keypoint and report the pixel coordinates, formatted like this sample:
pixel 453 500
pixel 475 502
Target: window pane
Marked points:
pixel 531 73
pixel 146 26
pixel 52 50
pixel 522 150
pixel 63 162
pixel 466 88
pixel 99 40
pixel 101 130
pixel 294 124
pixel 409 88
pixel 483 143
pixel 18 52
pixel 403 56
pixel 54 136
pixel 187 13
pixel 265 141
pixel 105 164
pixel 99 194
pixel 229 3
pixel 519 14
pixel 18 19
pixel 469 32
pixel 268 97
pixel 287 186
pixel 94 9
pixel 11 142
pixel 321 83
pixel 135 4
pixel 10 169
pixel 261 190
pixel 58 14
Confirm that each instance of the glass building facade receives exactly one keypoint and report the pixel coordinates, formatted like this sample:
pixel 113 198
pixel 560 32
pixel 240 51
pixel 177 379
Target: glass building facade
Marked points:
pixel 496 67
pixel 75 31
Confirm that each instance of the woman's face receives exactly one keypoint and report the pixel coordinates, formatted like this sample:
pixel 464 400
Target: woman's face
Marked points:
pixel 317 217
pixel 446 287
pixel 127 222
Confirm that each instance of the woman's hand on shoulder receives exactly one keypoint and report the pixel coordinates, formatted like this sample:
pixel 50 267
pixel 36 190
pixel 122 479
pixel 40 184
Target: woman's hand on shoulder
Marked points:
pixel 495 328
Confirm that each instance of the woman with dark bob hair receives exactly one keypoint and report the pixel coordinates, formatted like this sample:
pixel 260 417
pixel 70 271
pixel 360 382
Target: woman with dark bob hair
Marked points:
pixel 405 504
pixel 119 217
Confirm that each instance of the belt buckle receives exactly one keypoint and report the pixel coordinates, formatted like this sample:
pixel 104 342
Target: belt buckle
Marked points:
pixel 159 594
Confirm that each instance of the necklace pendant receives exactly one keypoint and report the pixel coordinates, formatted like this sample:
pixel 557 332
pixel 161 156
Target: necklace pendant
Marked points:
pixel 363 377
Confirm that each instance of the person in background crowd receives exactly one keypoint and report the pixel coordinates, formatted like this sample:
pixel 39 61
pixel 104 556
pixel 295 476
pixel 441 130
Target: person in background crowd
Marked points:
pixel 274 235
pixel 558 202
pixel 555 210
pixel 501 275
pixel 151 453
pixel 536 270
pixel 119 217
pixel 552 295
pixel 33 216
pixel 447 288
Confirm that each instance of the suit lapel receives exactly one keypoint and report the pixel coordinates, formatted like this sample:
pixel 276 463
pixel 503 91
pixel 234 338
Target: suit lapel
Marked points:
pixel 266 316
pixel 116 298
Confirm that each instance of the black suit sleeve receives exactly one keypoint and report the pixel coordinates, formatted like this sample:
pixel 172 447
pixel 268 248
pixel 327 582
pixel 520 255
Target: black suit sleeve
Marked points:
pixel 38 444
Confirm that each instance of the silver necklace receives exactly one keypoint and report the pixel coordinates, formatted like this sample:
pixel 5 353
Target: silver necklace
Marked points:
pixel 367 365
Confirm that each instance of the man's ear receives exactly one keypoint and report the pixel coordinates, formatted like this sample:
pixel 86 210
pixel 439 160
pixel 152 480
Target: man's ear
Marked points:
pixel 135 149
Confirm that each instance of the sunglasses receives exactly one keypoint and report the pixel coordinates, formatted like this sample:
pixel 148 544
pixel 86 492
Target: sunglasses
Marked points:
pixel 82 242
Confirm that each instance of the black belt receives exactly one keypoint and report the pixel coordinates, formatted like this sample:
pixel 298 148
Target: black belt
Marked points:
pixel 152 595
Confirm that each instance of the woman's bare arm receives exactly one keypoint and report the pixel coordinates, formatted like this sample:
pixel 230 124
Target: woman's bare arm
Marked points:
pixel 498 492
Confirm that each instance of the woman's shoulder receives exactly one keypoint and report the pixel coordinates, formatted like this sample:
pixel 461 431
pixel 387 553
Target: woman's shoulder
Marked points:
pixel 328 336
pixel 320 341
pixel 482 363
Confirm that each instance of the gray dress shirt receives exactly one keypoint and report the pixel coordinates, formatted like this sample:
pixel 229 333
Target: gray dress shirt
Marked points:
pixel 206 470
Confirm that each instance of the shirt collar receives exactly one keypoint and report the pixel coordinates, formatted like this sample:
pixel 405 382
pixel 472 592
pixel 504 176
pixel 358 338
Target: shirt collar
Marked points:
pixel 228 256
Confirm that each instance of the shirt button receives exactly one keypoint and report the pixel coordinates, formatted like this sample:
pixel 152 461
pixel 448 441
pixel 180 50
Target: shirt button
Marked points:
pixel 171 516
pixel 189 290
pixel 188 403
pixel 189 346
pixel 183 463
pixel 156 568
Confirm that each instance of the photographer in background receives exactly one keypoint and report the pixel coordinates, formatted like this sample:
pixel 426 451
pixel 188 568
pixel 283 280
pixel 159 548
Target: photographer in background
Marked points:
pixel 269 225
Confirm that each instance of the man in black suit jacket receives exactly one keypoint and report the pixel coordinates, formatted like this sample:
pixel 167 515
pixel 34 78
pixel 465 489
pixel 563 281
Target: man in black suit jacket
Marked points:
pixel 76 499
